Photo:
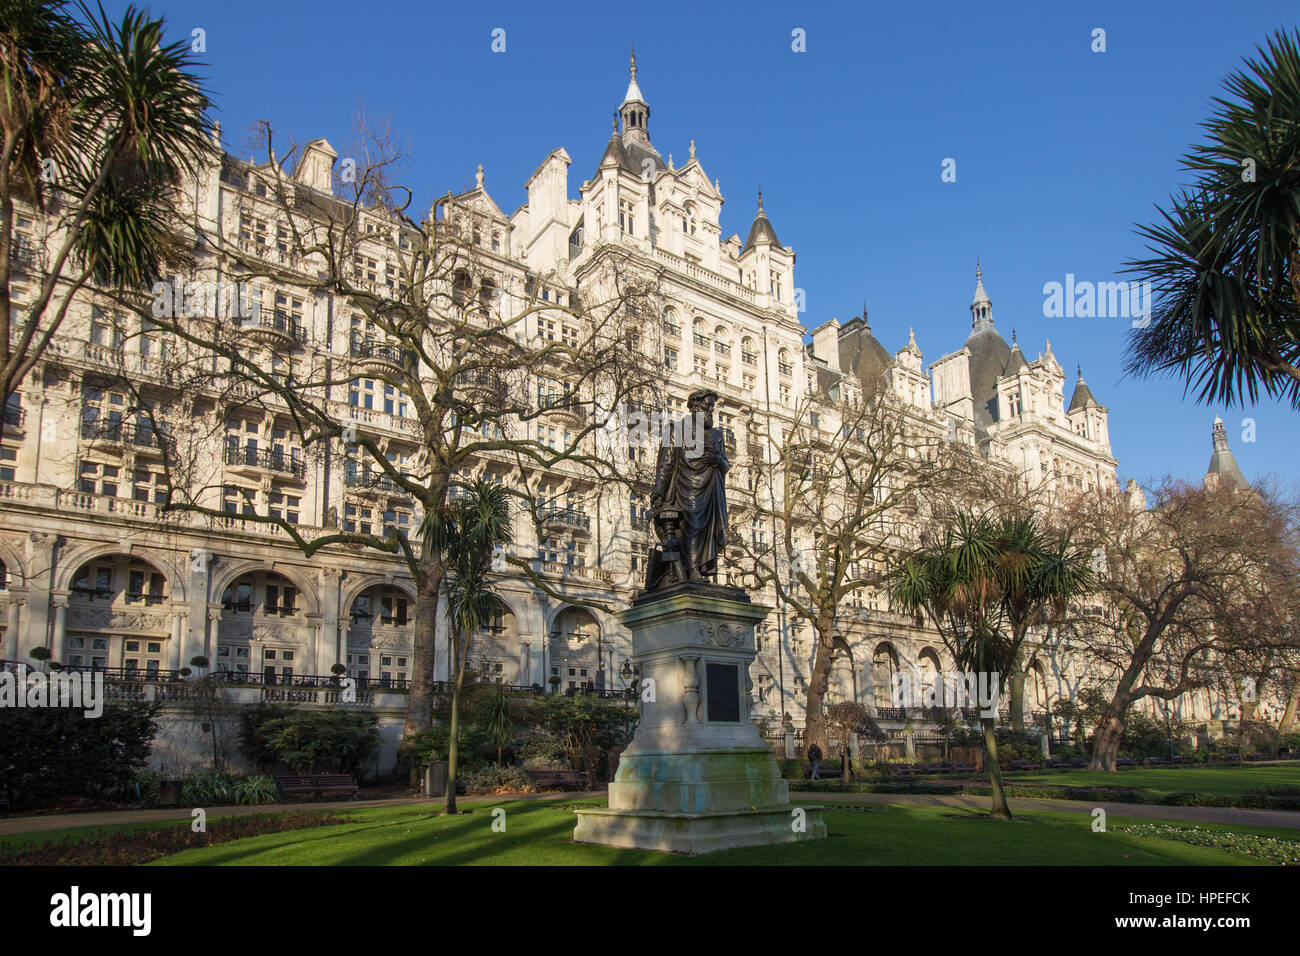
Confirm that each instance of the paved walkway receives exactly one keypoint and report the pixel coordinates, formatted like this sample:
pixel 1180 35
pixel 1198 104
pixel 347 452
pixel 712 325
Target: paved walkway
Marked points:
pixel 1254 818
pixel 103 818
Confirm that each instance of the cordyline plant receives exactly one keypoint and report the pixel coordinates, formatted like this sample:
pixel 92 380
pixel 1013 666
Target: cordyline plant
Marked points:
pixel 102 122
pixel 1225 260
pixel 466 534
pixel 983 583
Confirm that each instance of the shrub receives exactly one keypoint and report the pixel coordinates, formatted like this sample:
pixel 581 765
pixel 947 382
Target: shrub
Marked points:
pixel 586 727
pixel 791 768
pixel 497 780
pixel 329 741
pixel 52 752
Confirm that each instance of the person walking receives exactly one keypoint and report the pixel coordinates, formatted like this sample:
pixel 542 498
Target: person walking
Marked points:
pixel 815 758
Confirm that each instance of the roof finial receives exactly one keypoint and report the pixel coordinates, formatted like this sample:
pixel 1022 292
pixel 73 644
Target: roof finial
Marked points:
pixel 978 274
pixel 616 122
pixel 478 176
pixel 760 198
pixel 692 149
pixel 634 61
pixel 1013 335
pixel 1078 369
pixel 911 336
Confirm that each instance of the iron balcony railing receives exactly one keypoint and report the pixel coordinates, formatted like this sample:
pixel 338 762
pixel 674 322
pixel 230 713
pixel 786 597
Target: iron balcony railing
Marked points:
pixel 276 321
pixel 370 349
pixel 268 458
pixel 122 433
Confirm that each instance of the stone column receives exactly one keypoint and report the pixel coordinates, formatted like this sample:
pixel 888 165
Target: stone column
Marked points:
pixel 178 637
pixel 329 650
pixel 525 664
pixel 59 599
pixel 40 557
pixel 213 632
pixel 9 650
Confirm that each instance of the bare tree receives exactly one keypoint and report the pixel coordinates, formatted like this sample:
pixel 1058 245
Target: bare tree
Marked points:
pixel 1193 592
pixel 826 503
pixel 491 372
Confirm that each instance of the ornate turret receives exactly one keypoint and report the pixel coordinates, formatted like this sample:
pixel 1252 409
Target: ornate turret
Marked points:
pixel 761 230
pixel 635 111
pixel 981 308
pixel 1223 469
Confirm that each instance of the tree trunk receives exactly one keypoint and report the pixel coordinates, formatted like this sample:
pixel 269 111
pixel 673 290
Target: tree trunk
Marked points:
pixel 814 720
pixel 1106 741
pixel 999 810
pixel 1289 715
pixel 1017 688
pixel 453 750
pixel 419 705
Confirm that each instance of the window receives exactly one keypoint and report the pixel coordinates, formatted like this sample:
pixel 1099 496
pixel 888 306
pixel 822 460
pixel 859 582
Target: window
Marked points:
pixel 238 597
pixel 101 414
pixel 393 610
pixel 149 485
pixel 281 599
pixel 237 500
pixel 94 583
pixel 282 506
pixel 359 519
pixel 8 464
pixel 144 586
pixel 96 478
pixel 670 357
pixel 399 519
pixel 395 402
pixel 626 216
pixel 361 393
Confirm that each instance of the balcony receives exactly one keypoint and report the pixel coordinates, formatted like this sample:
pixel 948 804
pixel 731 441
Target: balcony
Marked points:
pixel 785 369
pixel 373 352
pixel 373 482
pixel 565 406
pixel 749 358
pixel 117 432
pixel 672 331
pixel 701 340
pixel 265 459
pixel 275 327
pixel 722 348
pixel 572 518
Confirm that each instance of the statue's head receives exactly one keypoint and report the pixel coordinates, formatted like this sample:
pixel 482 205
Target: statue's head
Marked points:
pixel 702 401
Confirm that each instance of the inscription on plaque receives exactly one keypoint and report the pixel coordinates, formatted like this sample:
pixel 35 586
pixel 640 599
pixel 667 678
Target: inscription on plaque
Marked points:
pixel 724 692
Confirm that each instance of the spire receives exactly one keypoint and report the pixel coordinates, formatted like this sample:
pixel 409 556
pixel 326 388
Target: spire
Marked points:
pixel 981 308
pixel 635 110
pixel 1223 467
pixel 761 230
pixel 1082 397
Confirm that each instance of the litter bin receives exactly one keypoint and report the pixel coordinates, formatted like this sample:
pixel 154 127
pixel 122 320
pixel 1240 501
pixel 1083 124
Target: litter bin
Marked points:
pixel 170 794
pixel 435 779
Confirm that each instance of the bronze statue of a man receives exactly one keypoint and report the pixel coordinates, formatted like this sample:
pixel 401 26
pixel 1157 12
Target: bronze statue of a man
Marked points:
pixel 689 499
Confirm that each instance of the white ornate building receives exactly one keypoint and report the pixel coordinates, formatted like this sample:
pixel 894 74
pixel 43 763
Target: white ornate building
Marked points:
pixel 90 575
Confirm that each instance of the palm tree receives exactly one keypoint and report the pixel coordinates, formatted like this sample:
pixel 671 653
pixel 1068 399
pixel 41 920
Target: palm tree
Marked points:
pixel 1225 260
pixel 100 121
pixel 467 533
pixel 497 711
pixel 983 583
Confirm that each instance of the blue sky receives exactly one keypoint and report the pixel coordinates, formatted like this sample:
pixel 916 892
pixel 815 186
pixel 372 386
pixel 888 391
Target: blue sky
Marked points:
pixel 1058 149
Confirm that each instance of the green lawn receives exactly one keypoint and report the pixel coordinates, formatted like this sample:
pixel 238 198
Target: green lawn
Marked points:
pixel 540 834
pixel 1157 781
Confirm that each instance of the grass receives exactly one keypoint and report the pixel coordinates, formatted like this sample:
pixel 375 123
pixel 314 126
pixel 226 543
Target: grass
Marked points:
pixel 1156 782
pixel 540 833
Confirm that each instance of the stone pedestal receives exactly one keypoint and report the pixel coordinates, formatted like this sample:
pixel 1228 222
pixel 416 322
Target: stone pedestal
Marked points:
pixel 697 775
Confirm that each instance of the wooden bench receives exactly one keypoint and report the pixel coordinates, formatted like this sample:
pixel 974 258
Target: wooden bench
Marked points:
pixel 557 779
pixel 1023 765
pixel 318 783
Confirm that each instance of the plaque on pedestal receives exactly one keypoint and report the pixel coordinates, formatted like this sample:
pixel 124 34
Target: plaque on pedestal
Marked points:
pixel 697 775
